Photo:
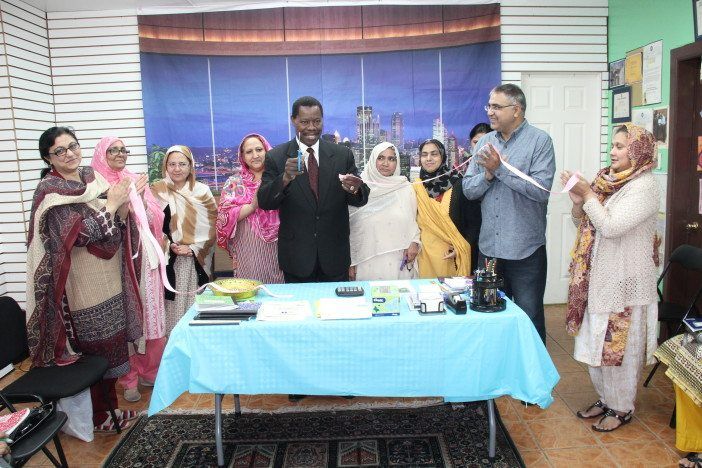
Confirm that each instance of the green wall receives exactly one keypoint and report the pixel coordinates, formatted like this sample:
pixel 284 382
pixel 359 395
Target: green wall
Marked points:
pixel 635 23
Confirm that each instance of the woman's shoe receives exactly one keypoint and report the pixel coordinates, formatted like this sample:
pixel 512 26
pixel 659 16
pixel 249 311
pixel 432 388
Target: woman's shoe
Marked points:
pixel 692 460
pixel 145 383
pixel 597 404
pixel 109 425
pixel 610 413
pixel 132 394
pixel 126 415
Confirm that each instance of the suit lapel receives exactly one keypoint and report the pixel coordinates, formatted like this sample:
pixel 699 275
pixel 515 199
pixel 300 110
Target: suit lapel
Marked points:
pixel 327 174
pixel 302 180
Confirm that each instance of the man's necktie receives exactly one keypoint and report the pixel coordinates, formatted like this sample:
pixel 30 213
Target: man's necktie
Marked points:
pixel 313 172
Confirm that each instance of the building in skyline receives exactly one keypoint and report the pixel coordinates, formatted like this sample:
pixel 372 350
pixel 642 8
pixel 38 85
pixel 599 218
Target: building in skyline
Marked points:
pixel 439 131
pixel 452 150
pixel 397 130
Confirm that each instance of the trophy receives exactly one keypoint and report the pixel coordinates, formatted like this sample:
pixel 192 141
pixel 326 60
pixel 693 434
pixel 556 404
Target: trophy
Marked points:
pixel 485 296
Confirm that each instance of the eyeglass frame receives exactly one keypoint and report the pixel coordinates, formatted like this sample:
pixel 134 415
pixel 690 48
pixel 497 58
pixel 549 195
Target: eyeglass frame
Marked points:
pixel 121 150
pixel 180 165
pixel 497 107
pixel 73 147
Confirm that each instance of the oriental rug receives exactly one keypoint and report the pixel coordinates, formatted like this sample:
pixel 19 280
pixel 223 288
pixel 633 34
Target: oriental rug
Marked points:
pixel 436 436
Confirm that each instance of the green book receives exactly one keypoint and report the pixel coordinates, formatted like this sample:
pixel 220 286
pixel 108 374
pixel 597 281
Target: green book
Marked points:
pixel 210 302
pixel 386 300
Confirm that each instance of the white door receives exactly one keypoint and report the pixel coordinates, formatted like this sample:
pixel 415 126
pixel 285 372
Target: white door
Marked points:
pixel 568 107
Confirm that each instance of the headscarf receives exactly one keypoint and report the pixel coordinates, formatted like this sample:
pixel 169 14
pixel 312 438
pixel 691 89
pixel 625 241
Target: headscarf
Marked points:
pixel 240 190
pixel 100 164
pixel 193 210
pixel 445 177
pixel 641 146
pixel 371 235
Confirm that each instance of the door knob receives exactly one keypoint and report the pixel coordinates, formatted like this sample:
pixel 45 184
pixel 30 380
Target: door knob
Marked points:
pixel 692 226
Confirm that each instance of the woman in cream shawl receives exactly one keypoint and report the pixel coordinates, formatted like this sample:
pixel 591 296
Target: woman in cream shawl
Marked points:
pixel 109 159
pixel 384 232
pixel 190 217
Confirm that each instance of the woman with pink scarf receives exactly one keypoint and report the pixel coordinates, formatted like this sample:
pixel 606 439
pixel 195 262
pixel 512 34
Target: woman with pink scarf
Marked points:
pixel 109 159
pixel 248 233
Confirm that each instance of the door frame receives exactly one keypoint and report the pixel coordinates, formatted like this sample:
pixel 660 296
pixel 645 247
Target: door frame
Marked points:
pixel 684 68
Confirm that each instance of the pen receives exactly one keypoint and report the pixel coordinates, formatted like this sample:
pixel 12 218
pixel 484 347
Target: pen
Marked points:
pixel 404 262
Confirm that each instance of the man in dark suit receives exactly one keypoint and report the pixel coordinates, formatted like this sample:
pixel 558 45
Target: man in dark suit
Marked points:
pixel 312 192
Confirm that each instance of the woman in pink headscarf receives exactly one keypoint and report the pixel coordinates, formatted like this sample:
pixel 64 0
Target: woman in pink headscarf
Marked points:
pixel 247 232
pixel 109 159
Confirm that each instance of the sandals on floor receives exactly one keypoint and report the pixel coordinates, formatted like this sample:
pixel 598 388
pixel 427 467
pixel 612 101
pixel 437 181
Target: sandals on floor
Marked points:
pixel 625 419
pixel 109 426
pixel 125 415
pixel 597 404
pixel 695 458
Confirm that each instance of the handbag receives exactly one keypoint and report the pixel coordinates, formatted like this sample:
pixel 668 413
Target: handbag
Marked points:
pixel 36 417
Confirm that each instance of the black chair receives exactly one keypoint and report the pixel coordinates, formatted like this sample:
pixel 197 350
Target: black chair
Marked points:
pixel 670 313
pixel 49 383
pixel 40 436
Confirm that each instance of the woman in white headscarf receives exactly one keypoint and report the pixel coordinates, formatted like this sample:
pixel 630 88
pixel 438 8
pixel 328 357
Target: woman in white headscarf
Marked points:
pixel 384 232
pixel 190 215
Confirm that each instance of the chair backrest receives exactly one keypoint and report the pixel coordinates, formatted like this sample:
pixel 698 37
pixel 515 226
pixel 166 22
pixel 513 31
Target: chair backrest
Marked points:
pixel 688 256
pixel 13 332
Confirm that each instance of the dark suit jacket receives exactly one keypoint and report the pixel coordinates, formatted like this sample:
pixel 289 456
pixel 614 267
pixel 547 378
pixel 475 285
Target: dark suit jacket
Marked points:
pixel 311 230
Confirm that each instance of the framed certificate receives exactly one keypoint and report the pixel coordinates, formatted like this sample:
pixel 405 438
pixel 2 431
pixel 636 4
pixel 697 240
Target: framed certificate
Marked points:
pixel 696 12
pixel 621 104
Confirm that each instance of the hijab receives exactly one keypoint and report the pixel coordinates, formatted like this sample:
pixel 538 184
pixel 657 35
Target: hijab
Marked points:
pixel 100 164
pixel 445 177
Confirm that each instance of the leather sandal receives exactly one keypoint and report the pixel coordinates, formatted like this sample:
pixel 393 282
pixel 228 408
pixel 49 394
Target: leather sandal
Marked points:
pixel 693 457
pixel 625 419
pixel 597 404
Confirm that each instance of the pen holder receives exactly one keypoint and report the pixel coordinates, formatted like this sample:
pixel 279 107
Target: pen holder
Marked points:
pixel 485 296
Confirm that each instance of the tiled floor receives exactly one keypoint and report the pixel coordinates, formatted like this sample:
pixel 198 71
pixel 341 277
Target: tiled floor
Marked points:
pixel 545 438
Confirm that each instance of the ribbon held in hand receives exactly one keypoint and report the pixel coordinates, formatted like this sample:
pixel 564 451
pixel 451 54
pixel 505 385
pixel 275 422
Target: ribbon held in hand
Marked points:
pixel 485 151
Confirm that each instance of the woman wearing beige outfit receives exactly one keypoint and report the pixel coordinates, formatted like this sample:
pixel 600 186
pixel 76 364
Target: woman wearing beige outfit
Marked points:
pixel 612 299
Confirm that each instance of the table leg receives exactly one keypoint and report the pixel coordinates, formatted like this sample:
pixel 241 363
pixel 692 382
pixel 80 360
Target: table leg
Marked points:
pixel 218 429
pixel 492 422
pixel 237 405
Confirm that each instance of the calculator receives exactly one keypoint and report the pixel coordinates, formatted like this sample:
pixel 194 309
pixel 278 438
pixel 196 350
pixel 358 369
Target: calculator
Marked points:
pixel 349 291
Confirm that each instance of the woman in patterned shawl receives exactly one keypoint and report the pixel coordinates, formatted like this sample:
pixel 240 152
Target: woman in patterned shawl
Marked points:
pixel 110 159
pixel 446 219
pixel 190 214
pixel 612 298
pixel 247 232
pixel 82 288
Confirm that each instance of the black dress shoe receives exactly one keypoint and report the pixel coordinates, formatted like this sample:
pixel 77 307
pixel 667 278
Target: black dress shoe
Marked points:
pixel 295 398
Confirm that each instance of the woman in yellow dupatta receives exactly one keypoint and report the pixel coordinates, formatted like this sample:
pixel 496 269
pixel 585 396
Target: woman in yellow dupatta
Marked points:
pixel 445 252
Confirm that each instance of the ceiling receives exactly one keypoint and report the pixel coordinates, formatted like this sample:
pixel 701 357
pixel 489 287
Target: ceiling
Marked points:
pixel 154 7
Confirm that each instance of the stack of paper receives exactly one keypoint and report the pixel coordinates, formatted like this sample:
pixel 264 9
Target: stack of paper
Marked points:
pixel 284 311
pixel 333 308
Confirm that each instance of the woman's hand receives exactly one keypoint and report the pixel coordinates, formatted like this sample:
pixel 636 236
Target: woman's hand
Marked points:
pixel 582 190
pixel 575 198
pixel 411 252
pixel 117 195
pixel 141 183
pixel 352 273
pixel 450 253
pixel 180 249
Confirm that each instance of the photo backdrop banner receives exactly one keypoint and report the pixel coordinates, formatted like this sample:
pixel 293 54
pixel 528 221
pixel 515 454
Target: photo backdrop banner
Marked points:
pixel 210 101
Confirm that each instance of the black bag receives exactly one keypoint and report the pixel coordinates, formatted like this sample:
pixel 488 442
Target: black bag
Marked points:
pixel 36 417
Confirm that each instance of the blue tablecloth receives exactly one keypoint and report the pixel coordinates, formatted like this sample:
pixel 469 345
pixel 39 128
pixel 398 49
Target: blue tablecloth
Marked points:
pixel 469 357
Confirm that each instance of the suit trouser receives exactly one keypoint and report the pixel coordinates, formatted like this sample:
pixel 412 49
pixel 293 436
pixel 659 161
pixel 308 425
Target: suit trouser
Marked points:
pixel 317 276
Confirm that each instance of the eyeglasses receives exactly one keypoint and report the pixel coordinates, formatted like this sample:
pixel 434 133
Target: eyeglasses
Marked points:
pixel 496 107
pixel 114 151
pixel 181 165
pixel 61 152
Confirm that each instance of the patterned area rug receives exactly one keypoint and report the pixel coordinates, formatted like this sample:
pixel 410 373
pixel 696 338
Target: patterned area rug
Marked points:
pixel 437 436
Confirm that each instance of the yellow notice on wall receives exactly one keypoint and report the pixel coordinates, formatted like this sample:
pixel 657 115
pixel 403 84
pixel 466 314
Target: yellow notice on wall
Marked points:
pixel 633 66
